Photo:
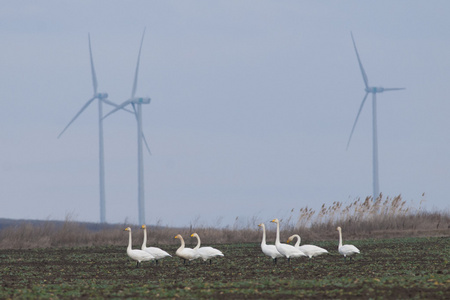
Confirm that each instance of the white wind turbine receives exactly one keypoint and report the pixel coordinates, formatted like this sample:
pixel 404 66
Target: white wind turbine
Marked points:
pixel 373 91
pixel 136 103
pixel 102 98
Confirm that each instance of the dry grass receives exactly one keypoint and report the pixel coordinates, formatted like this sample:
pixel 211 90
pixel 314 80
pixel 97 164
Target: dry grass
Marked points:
pixel 382 217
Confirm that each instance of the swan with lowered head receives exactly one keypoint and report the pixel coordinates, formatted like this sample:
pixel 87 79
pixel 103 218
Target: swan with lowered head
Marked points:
pixel 156 252
pixel 286 250
pixel 186 253
pixel 206 252
pixel 346 250
pixel 269 250
pixel 309 250
pixel 137 255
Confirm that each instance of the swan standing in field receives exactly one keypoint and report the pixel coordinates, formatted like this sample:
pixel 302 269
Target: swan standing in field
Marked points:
pixel 346 250
pixel 286 250
pixel 186 253
pixel 269 250
pixel 156 252
pixel 137 255
pixel 309 250
pixel 206 252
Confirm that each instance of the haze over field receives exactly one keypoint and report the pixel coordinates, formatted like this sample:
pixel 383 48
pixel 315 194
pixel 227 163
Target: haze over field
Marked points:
pixel 252 106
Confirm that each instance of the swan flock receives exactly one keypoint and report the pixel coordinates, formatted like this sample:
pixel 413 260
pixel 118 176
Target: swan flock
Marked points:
pixel 276 251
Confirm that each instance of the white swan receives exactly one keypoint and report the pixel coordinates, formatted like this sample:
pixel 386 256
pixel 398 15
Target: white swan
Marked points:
pixel 346 250
pixel 156 252
pixel 286 250
pixel 269 250
pixel 206 252
pixel 137 255
pixel 186 253
pixel 309 250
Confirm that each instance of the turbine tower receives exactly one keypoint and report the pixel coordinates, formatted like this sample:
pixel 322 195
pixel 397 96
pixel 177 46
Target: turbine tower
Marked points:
pixel 102 98
pixel 372 90
pixel 137 102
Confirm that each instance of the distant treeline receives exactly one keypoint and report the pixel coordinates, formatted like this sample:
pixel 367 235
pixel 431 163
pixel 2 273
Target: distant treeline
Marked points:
pixel 368 218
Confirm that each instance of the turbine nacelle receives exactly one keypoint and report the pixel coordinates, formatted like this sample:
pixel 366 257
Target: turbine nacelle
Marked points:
pixel 101 95
pixel 140 100
pixel 374 90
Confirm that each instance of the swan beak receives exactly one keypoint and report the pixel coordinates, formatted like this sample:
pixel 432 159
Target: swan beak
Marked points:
pixel 176 236
pixel 273 221
pixel 143 227
pixel 288 241
pixel 192 235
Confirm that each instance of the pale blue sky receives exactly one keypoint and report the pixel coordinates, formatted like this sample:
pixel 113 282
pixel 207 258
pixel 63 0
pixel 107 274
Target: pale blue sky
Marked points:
pixel 252 106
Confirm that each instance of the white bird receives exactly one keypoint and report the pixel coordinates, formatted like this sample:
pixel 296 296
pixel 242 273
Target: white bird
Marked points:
pixel 286 250
pixel 137 255
pixel 309 250
pixel 186 253
pixel 206 252
pixel 156 252
pixel 346 250
pixel 269 250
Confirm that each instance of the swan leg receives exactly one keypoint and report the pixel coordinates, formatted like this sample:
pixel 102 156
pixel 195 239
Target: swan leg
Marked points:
pixel 275 260
pixel 137 264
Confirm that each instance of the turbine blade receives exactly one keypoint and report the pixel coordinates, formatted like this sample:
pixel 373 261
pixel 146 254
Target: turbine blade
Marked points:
pixel 393 89
pixel 94 77
pixel 146 145
pixel 76 116
pixel 364 75
pixel 118 107
pixel 356 120
pixel 107 101
pixel 133 92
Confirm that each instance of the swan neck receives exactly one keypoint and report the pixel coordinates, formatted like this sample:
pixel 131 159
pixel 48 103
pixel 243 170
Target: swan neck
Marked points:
pixel 198 242
pixel 144 242
pixel 182 243
pixel 340 238
pixel 263 242
pixel 129 240
pixel 297 244
pixel 277 239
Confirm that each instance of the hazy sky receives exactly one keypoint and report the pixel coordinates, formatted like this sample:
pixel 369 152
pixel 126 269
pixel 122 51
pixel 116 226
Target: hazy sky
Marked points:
pixel 252 106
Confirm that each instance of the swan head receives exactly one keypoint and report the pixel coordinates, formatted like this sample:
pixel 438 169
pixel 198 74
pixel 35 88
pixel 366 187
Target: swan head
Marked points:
pixel 338 228
pixel 275 221
pixel 194 234
pixel 178 236
pixel 290 239
pixel 261 225
pixel 127 229
pixel 143 227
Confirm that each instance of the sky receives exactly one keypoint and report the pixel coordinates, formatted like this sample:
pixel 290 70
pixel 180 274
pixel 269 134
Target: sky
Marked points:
pixel 252 106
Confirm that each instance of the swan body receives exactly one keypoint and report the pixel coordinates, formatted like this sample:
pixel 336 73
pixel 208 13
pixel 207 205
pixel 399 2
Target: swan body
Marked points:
pixel 186 253
pixel 286 250
pixel 206 252
pixel 346 250
pixel 156 252
pixel 309 250
pixel 137 255
pixel 269 250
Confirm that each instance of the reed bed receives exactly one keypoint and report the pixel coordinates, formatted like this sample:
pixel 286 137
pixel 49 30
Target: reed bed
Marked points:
pixel 374 218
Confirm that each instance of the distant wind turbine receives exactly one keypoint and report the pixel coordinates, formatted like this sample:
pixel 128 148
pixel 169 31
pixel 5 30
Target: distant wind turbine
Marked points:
pixel 373 91
pixel 102 98
pixel 136 103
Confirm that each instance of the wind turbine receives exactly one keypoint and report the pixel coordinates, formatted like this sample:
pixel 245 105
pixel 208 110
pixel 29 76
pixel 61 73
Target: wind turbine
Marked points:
pixel 373 91
pixel 102 98
pixel 137 102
